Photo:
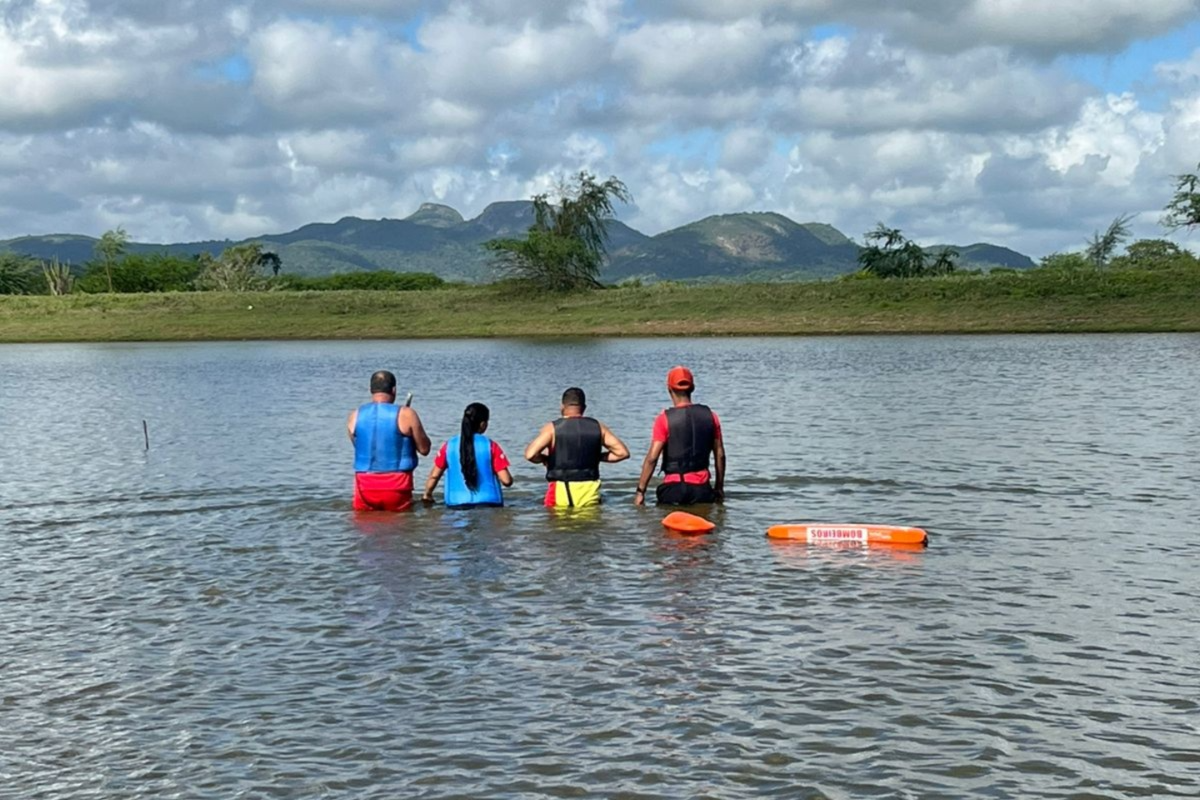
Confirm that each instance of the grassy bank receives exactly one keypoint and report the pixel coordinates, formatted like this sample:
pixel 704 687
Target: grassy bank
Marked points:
pixel 1037 301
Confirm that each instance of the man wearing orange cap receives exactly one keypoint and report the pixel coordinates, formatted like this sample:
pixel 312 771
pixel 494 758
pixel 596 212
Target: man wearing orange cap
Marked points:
pixel 685 435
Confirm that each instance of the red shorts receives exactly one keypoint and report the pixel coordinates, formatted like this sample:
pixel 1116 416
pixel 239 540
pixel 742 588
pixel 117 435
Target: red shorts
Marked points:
pixel 383 491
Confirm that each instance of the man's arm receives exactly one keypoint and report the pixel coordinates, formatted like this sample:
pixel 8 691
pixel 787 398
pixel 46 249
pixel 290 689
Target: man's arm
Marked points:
pixel 648 465
pixel 614 447
pixel 719 458
pixel 410 419
pixel 351 423
pixel 538 450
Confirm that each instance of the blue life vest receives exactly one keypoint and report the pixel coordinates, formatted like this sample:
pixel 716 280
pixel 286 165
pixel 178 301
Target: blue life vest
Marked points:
pixel 378 444
pixel 487 491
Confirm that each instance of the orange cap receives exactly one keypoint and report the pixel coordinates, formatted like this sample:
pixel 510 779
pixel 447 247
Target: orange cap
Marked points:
pixel 680 379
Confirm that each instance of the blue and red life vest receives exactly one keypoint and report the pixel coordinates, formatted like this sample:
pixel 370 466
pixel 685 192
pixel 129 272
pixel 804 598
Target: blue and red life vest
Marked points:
pixel 379 446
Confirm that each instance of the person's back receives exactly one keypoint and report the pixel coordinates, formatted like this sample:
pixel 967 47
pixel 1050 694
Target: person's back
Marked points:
pixel 475 467
pixel 572 449
pixel 387 442
pixel 687 436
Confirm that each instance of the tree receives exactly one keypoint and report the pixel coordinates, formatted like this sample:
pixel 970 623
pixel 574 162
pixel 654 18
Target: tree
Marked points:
pixel 1065 262
pixel 235 270
pixel 16 273
pixel 111 246
pixel 1103 247
pixel 889 254
pixel 273 261
pixel 143 272
pixel 1184 209
pixel 59 280
pixel 567 243
pixel 1154 254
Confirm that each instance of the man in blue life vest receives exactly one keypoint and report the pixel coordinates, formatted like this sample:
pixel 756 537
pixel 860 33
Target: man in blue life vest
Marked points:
pixel 572 448
pixel 387 440
pixel 685 435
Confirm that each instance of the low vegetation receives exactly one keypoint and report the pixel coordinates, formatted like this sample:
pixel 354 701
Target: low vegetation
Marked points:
pixel 1153 285
pixel 1046 299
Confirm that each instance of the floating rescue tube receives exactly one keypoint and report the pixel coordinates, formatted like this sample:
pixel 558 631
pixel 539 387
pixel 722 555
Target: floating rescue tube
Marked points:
pixel 683 522
pixel 821 532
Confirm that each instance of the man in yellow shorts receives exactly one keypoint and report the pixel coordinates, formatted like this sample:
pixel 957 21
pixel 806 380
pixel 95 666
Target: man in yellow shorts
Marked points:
pixel 572 448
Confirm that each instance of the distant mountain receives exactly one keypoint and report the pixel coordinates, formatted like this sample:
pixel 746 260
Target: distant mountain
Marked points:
pixel 436 238
pixel 731 246
pixel 436 215
pixel 986 256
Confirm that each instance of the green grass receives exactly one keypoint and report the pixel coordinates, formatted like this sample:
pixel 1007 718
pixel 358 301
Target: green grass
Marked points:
pixel 1035 301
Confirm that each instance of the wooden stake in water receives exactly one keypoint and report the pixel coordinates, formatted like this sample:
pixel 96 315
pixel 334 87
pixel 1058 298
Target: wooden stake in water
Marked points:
pixel 146 433
pixel 408 400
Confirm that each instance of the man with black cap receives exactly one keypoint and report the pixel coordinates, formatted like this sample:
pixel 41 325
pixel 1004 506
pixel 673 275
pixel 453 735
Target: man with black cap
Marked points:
pixel 685 435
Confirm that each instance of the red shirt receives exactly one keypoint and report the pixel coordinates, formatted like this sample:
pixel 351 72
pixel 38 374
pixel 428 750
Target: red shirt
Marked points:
pixel 659 434
pixel 499 460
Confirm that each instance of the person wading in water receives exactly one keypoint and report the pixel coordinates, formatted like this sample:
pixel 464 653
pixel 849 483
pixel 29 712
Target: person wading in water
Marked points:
pixel 572 448
pixel 387 440
pixel 475 467
pixel 685 435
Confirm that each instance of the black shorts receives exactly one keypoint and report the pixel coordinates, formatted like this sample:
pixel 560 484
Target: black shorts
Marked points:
pixel 685 494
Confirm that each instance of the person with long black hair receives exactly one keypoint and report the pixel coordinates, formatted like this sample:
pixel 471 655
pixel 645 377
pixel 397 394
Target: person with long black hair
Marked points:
pixel 475 467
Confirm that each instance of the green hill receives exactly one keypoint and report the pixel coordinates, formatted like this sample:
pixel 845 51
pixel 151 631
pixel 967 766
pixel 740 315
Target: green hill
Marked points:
pixel 986 256
pixel 437 239
pixel 731 246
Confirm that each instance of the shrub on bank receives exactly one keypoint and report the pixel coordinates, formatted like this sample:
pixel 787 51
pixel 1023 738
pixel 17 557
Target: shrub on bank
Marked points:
pixel 139 273
pixel 380 281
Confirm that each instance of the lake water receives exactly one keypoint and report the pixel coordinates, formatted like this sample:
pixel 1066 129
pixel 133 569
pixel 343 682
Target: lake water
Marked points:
pixel 210 620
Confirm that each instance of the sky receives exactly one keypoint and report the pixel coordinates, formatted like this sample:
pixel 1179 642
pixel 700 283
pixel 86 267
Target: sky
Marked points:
pixel 1025 123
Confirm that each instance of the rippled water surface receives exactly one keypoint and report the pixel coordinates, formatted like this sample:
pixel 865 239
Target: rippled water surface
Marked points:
pixel 209 619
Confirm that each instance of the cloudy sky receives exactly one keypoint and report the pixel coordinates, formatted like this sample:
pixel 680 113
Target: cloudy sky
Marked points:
pixel 1028 123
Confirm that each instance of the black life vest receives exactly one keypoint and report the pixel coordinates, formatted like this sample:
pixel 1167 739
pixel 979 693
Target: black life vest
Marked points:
pixel 576 452
pixel 691 433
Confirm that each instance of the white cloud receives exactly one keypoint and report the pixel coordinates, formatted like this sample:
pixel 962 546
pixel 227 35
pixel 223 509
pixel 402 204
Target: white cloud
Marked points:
pixel 695 56
pixel 948 118
pixel 1046 27
pixel 307 72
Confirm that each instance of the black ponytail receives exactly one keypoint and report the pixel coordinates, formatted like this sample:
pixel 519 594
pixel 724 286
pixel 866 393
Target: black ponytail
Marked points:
pixel 473 419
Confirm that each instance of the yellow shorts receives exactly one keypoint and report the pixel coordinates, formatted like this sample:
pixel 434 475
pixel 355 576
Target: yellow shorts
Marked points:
pixel 576 494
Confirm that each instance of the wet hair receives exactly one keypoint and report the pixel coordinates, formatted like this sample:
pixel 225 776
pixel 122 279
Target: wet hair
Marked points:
pixel 383 381
pixel 574 397
pixel 473 419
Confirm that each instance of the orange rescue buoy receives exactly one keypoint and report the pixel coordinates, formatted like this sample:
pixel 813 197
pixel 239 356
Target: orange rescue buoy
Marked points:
pixel 822 532
pixel 683 522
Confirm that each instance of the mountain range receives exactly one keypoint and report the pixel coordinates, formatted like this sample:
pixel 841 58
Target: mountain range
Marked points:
pixel 436 238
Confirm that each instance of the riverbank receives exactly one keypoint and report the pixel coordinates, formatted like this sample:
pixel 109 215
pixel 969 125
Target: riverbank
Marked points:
pixel 1035 301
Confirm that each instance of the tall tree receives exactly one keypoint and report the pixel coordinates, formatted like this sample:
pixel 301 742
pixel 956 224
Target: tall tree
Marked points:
pixel 1103 247
pixel 889 254
pixel 567 243
pixel 1184 209
pixel 111 246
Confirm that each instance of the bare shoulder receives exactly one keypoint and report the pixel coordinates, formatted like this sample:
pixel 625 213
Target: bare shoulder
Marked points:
pixel 408 417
